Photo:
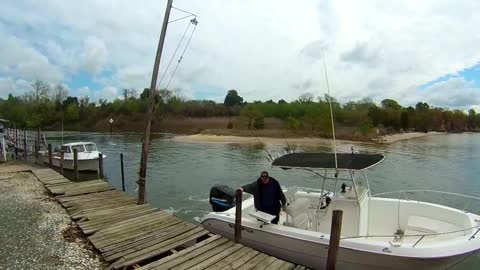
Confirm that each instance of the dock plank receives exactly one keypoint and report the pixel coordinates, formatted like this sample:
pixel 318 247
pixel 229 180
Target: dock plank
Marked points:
pixel 128 235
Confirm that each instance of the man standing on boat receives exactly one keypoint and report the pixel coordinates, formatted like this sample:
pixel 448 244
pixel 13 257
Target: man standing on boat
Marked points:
pixel 267 194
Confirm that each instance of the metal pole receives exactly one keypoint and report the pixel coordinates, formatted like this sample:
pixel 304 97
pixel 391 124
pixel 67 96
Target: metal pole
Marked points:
pixel 38 142
pixel 25 144
pixel 335 232
pixel 100 165
pixel 151 104
pixel 238 215
pixel 123 173
pixel 62 158
pixel 16 140
pixel 75 163
pixel 50 156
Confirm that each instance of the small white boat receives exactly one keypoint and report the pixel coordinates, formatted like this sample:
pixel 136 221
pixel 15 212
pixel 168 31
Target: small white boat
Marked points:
pixel 376 233
pixel 87 156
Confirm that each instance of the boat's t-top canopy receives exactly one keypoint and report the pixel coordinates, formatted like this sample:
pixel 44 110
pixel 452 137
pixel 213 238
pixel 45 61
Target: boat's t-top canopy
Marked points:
pixel 346 161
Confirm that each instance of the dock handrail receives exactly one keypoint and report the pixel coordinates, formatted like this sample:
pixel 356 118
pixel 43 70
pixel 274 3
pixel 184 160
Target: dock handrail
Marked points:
pixel 405 193
pixel 418 235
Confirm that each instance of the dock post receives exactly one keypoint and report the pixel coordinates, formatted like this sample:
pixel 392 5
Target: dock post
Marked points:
pixel 38 140
pixel 335 232
pixel 50 156
pixel 16 140
pixel 25 144
pixel 123 173
pixel 62 158
pixel 75 163
pixel 100 165
pixel 238 215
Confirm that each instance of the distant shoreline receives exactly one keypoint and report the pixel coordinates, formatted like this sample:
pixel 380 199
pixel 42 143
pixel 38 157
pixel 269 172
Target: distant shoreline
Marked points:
pixel 208 138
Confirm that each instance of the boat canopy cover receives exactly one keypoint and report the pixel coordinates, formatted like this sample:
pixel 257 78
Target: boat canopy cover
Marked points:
pixel 346 161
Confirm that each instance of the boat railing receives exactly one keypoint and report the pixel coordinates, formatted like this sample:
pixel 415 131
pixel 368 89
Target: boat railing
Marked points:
pixel 475 231
pixel 469 201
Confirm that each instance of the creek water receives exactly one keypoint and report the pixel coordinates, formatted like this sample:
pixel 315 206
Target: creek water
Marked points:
pixel 180 174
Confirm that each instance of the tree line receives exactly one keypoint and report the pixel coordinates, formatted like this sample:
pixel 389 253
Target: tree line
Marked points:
pixel 45 106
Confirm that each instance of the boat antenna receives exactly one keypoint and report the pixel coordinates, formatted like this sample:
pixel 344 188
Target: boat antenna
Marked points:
pixel 264 148
pixel 289 148
pixel 331 112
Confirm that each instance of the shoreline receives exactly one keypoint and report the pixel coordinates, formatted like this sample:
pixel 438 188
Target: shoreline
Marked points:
pixel 227 139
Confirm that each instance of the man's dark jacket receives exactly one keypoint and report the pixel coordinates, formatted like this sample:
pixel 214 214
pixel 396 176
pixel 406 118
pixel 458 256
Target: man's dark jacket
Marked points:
pixel 255 188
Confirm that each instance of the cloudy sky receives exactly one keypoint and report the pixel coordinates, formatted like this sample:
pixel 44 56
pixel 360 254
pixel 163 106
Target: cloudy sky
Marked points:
pixel 425 50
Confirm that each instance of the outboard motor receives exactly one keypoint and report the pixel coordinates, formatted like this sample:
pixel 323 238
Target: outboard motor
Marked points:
pixel 222 198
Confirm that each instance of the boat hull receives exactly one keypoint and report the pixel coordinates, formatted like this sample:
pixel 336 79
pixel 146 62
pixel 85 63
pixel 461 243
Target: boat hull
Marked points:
pixel 83 164
pixel 313 254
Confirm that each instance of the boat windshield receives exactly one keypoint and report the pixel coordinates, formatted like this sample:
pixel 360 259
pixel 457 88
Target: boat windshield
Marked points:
pixel 66 149
pixel 79 148
pixel 90 147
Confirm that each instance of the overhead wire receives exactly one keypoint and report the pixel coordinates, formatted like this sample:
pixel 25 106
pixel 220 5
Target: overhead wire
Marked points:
pixel 194 22
pixel 173 56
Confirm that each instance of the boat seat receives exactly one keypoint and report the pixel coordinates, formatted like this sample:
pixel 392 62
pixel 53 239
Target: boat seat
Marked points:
pixel 298 213
pixel 428 225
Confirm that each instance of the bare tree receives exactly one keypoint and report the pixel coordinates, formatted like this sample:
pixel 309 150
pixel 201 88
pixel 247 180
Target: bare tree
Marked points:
pixel 60 93
pixel 306 98
pixel 40 90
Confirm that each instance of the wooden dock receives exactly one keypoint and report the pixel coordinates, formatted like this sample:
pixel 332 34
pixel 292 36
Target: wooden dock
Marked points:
pixel 131 236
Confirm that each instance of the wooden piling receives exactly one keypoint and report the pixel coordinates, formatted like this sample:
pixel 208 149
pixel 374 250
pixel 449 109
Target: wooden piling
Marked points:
pixel 16 141
pixel 100 165
pixel 38 140
pixel 238 215
pixel 122 171
pixel 25 144
pixel 335 232
pixel 62 159
pixel 50 156
pixel 75 163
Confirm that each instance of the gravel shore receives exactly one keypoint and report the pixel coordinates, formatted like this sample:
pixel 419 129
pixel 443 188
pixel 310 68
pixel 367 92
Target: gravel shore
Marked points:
pixel 36 232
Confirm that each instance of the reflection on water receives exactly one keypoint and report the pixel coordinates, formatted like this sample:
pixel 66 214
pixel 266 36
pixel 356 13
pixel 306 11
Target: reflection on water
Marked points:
pixel 179 175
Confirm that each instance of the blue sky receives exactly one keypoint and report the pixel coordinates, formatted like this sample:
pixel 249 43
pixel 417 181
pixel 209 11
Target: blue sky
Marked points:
pixel 406 50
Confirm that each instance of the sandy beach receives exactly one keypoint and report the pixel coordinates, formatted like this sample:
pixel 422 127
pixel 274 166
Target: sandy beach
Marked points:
pixel 205 138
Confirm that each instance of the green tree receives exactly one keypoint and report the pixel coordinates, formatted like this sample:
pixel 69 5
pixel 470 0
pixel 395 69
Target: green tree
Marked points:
pixel 232 98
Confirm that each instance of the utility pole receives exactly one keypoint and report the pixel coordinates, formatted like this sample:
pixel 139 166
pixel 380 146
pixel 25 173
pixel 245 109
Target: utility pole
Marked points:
pixel 151 104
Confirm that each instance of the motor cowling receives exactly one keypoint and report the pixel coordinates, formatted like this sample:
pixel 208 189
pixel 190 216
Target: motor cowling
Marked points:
pixel 222 198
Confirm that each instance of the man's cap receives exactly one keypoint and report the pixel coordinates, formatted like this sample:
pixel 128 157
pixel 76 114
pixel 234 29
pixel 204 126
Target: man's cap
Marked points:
pixel 264 173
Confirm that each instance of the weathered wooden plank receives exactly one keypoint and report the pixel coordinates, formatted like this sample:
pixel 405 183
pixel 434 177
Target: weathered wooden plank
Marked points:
pixel 104 244
pixel 153 239
pixel 158 249
pixel 227 261
pixel 192 251
pixel 91 226
pixel 244 259
pixel 78 198
pixel 96 204
pixel 123 209
pixel 86 191
pixel 253 261
pixel 287 266
pixel 79 213
pixel 122 225
pixel 265 263
pixel 210 257
pixel 276 265
pixel 133 227
pixel 74 188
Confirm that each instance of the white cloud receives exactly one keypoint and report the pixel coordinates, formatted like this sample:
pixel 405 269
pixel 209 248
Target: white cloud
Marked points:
pixel 94 55
pixel 109 93
pixel 264 49
pixel 453 93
